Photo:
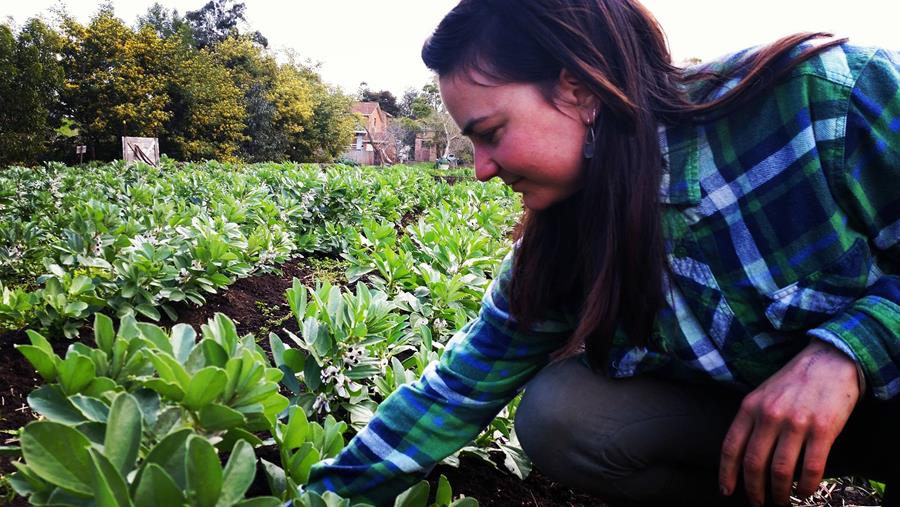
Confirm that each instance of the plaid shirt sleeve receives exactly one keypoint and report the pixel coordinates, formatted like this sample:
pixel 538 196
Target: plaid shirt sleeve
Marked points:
pixel 481 370
pixel 867 187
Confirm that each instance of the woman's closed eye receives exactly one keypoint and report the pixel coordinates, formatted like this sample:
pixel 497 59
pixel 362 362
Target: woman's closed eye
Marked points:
pixel 488 136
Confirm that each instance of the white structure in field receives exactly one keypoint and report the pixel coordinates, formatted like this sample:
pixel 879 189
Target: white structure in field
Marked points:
pixel 144 149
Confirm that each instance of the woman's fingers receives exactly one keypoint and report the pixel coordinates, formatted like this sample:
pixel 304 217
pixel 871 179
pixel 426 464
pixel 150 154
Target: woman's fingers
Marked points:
pixel 756 460
pixel 817 448
pixel 733 451
pixel 784 462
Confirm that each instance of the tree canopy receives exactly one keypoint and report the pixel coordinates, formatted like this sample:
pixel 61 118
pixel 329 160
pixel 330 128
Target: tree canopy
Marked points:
pixel 199 83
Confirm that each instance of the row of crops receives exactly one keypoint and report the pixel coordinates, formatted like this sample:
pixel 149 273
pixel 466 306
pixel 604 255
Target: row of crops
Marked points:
pixel 145 415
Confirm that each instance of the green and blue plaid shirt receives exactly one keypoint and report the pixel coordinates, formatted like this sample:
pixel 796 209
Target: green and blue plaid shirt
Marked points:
pixel 782 222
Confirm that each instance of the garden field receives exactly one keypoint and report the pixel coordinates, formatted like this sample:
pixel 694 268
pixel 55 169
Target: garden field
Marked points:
pixel 202 334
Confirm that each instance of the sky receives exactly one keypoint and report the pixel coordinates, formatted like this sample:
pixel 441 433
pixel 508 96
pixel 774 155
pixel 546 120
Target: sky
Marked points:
pixel 378 41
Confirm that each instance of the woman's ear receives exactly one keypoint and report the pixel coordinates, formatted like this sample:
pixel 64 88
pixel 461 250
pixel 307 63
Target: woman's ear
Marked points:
pixel 571 92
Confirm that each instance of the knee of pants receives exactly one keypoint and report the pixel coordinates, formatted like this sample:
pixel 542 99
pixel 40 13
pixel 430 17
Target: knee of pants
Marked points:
pixel 557 434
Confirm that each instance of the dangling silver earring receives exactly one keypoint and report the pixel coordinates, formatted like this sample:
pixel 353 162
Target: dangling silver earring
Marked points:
pixel 590 137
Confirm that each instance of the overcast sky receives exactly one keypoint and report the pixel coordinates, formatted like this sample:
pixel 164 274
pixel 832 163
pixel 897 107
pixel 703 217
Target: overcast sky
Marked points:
pixel 378 41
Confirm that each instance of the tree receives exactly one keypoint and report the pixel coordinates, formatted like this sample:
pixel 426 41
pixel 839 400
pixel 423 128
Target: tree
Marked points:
pixel 208 114
pixel 115 81
pixel 415 104
pixel 330 128
pixel 30 80
pixel 254 73
pixel 167 24
pixel 386 100
pixel 217 21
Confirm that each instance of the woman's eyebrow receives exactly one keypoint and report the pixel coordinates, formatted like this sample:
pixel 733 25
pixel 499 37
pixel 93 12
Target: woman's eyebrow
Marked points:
pixel 470 125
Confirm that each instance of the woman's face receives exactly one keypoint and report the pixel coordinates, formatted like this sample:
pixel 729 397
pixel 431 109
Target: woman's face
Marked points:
pixel 531 144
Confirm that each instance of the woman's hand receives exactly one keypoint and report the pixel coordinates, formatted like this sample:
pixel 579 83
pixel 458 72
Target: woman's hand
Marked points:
pixel 803 406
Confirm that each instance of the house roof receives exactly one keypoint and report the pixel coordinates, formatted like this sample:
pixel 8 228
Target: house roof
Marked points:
pixel 365 108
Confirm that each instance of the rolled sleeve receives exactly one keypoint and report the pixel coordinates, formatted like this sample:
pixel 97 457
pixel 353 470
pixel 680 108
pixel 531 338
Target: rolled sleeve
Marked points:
pixel 867 188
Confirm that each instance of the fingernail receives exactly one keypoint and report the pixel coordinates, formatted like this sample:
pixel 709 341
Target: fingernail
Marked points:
pixel 723 490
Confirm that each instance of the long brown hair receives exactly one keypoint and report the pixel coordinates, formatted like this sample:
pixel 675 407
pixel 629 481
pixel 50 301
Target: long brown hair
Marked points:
pixel 601 251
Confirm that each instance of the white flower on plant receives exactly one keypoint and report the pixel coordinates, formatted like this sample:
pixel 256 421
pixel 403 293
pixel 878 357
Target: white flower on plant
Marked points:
pixel 266 257
pixel 352 357
pixel 321 402
pixel 440 324
pixel 196 265
pixel 15 253
pixel 183 276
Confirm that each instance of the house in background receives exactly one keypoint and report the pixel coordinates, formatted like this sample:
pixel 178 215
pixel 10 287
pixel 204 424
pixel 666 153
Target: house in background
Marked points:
pixel 371 144
pixel 425 150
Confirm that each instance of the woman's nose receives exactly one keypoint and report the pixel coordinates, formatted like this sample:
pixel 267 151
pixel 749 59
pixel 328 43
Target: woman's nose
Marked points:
pixel 485 166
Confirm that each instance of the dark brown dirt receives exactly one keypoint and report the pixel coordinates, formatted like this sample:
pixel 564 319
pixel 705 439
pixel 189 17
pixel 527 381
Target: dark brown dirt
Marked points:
pixel 492 488
pixel 254 304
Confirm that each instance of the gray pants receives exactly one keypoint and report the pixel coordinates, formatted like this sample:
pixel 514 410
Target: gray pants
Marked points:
pixel 652 441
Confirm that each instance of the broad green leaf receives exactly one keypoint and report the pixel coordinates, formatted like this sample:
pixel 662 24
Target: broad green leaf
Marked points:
pixel 515 459
pixel 43 363
pixel 94 431
pixel 362 372
pixel 233 436
pixel 204 473
pixel 261 501
pixel 444 494
pixel 170 370
pixel 215 354
pixel 110 489
pixel 62 497
pixel 58 454
pixel 217 417
pixel 75 308
pixel 156 336
pixel 206 385
pixel 104 333
pixel 333 440
pixel 332 499
pixel 39 341
pixel 297 426
pixel 183 340
pixel 100 385
pixel 92 408
pixel 238 475
pixel 274 405
pixel 169 390
pixel 27 485
pixel 302 461
pixel 277 347
pixel 170 454
pixel 50 402
pixel 312 374
pixel 157 489
pixel 148 402
pixel 416 496
pixel 289 380
pixel 80 284
pixel 75 373
pixel 148 311
pixel 275 477
pixel 294 359
pixel 123 433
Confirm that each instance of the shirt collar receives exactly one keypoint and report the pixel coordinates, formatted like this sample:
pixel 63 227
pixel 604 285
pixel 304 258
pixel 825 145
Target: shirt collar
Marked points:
pixel 680 182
